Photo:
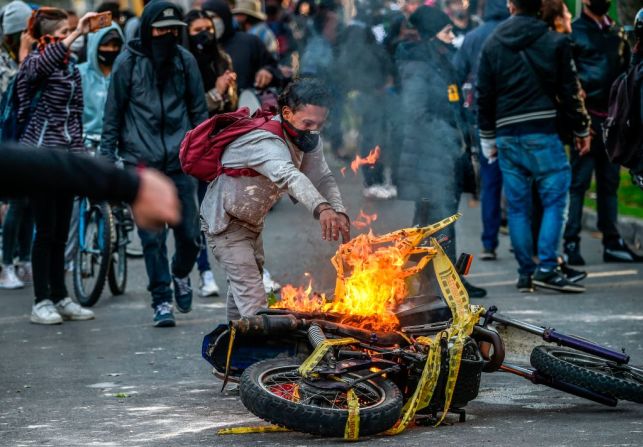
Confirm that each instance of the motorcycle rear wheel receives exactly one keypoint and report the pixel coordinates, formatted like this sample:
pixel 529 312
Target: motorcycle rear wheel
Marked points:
pixel 588 371
pixel 274 391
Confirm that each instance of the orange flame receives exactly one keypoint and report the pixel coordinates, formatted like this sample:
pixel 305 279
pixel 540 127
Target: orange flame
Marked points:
pixel 343 171
pixel 370 159
pixel 372 273
pixel 364 220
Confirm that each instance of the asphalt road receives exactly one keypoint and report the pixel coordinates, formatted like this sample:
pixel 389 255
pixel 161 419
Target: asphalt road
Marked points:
pixel 118 381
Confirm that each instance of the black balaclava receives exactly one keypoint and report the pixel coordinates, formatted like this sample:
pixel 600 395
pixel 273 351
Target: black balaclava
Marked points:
pixel 222 9
pixel 599 7
pixel 160 49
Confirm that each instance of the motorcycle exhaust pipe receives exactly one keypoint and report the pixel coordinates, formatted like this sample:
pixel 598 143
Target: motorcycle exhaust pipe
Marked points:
pixel 267 324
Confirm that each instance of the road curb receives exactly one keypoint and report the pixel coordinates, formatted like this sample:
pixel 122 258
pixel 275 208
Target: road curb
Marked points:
pixel 631 228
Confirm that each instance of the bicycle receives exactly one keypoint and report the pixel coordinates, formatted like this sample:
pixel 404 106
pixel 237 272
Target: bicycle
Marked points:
pixel 101 256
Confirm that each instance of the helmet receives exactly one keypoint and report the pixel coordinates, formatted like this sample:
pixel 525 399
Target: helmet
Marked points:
pixel 638 24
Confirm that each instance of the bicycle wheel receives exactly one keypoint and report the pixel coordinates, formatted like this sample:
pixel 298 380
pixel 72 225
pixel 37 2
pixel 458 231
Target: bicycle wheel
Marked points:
pixel 588 371
pixel 94 252
pixel 117 276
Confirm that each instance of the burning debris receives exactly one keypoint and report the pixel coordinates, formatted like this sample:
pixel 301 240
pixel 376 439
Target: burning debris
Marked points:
pixel 364 220
pixel 369 160
pixel 372 273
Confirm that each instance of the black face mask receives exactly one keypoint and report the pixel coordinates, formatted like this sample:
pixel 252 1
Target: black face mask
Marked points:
pixel 599 7
pixel 305 140
pixel 164 47
pixel 203 43
pixel 107 58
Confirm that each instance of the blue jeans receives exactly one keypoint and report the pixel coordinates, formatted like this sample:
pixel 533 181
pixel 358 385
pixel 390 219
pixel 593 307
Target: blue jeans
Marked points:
pixel 539 159
pixel 186 236
pixel 491 194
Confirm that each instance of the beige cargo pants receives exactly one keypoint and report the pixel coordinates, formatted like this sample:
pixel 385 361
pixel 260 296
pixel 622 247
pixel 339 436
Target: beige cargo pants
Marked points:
pixel 239 252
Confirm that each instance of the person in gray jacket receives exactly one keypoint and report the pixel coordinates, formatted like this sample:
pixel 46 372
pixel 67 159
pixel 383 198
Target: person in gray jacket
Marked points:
pixel 234 208
pixel 155 97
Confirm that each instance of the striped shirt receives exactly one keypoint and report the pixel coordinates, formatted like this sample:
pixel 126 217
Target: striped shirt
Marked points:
pixel 57 120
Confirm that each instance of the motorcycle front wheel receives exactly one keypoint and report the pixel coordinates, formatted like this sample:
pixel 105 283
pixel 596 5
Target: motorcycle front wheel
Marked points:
pixel 274 391
pixel 588 371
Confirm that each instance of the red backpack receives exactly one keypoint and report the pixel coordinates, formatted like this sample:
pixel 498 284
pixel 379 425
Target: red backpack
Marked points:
pixel 203 146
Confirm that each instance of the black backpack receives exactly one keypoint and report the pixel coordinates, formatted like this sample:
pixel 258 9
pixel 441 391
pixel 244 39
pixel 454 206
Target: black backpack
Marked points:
pixel 622 130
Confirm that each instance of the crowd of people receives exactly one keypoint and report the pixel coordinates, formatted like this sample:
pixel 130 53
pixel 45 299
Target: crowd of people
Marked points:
pixel 449 90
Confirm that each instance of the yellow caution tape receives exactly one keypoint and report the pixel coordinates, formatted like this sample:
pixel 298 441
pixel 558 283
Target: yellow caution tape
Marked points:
pixel 233 333
pixel 424 390
pixel 351 432
pixel 246 430
pixel 319 353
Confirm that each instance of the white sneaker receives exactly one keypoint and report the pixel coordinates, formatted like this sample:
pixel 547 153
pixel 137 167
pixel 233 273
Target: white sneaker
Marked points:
pixel 379 192
pixel 73 311
pixel 45 313
pixel 268 283
pixel 8 278
pixel 208 286
pixel 25 272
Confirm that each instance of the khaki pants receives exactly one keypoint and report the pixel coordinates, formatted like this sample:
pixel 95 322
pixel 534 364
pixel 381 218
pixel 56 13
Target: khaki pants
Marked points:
pixel 240 252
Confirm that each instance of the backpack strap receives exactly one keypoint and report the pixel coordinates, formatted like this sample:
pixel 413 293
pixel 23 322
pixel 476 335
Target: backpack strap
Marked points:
pixel 271 125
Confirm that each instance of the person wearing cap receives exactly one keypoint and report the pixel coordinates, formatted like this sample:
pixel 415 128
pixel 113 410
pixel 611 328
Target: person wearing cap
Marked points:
pixel 252 20
pixel 15 42
pixel 155 97
pixel 430 169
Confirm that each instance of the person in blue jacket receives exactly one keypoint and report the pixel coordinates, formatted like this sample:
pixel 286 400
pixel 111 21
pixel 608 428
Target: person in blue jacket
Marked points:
pixel 102 49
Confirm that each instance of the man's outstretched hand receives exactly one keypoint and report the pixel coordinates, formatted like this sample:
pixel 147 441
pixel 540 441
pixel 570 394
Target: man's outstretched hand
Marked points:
pixel 157 202
pixel 333 224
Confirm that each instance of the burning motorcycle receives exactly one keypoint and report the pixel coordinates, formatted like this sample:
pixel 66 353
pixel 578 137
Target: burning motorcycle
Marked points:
pixel 375 359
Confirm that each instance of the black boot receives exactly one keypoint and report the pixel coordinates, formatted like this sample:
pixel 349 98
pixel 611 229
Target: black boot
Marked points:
pixel 572 253
pixel 473 291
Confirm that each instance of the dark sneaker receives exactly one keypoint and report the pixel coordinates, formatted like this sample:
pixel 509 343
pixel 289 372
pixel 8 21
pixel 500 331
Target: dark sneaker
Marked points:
pixel 572 253
pixel 620 252
pixel 183 294
pixel 163 316
pixel 555 280
pixel 525 284
pixel 473 291
pixel 488 255
pixel 572 274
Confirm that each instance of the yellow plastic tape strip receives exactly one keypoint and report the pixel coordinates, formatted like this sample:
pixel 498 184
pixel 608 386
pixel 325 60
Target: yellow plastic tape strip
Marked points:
pixel 246 430
pixel 319 353
pixel 465 317
pixel 351 432
pixel 425 388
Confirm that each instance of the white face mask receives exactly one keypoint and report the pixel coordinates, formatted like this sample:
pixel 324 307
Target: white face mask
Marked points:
pixel 219 26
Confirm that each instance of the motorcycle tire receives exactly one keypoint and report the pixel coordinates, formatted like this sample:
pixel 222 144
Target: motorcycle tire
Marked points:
pixel 588 371
pixel 310 417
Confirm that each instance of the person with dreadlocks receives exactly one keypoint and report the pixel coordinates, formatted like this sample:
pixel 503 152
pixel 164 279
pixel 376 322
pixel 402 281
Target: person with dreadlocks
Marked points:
pixel 50 110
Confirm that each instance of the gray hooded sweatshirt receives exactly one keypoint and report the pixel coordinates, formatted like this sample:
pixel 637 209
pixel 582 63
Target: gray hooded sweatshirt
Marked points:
pixel 283 168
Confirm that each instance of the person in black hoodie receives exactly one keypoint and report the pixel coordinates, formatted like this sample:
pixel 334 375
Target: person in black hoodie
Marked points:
pixel 434 131
pixel 523 65
pixel 155 97
pixel 252 62
pixel 601 53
